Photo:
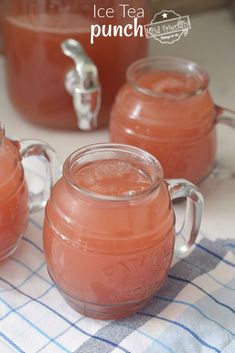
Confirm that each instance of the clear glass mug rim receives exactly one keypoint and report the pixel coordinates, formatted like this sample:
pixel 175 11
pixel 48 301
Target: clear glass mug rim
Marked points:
pixel 164 59
pixel 113 147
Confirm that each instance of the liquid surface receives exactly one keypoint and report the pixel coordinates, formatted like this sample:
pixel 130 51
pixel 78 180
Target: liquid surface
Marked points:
pixel 170 82
pixel 52 23
pixel 113 177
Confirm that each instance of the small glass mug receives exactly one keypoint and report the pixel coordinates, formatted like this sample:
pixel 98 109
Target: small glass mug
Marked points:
pixel 109 252
pixel 15 201
pixel 166 109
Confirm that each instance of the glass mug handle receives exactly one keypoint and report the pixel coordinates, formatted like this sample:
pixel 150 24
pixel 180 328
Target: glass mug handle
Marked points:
pixel 186 236
pixel 225 116
pixel 29 148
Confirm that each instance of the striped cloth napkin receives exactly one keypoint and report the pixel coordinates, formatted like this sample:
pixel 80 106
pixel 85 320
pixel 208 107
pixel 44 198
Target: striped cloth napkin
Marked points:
pixel 193 313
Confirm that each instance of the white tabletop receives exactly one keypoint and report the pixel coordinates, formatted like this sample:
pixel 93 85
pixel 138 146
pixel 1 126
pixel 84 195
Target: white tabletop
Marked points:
pixel 211 43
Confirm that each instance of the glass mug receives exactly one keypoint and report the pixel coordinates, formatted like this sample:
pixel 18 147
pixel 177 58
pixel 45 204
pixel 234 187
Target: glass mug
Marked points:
pixel 51 80
pixel 166 109
pixel 109 229
pixel 15 201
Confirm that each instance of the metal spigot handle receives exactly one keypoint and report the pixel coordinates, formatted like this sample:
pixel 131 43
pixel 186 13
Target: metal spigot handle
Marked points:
pixel 82 82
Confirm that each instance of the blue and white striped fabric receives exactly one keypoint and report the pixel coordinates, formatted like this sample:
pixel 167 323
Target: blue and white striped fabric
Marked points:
pixel 193 313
